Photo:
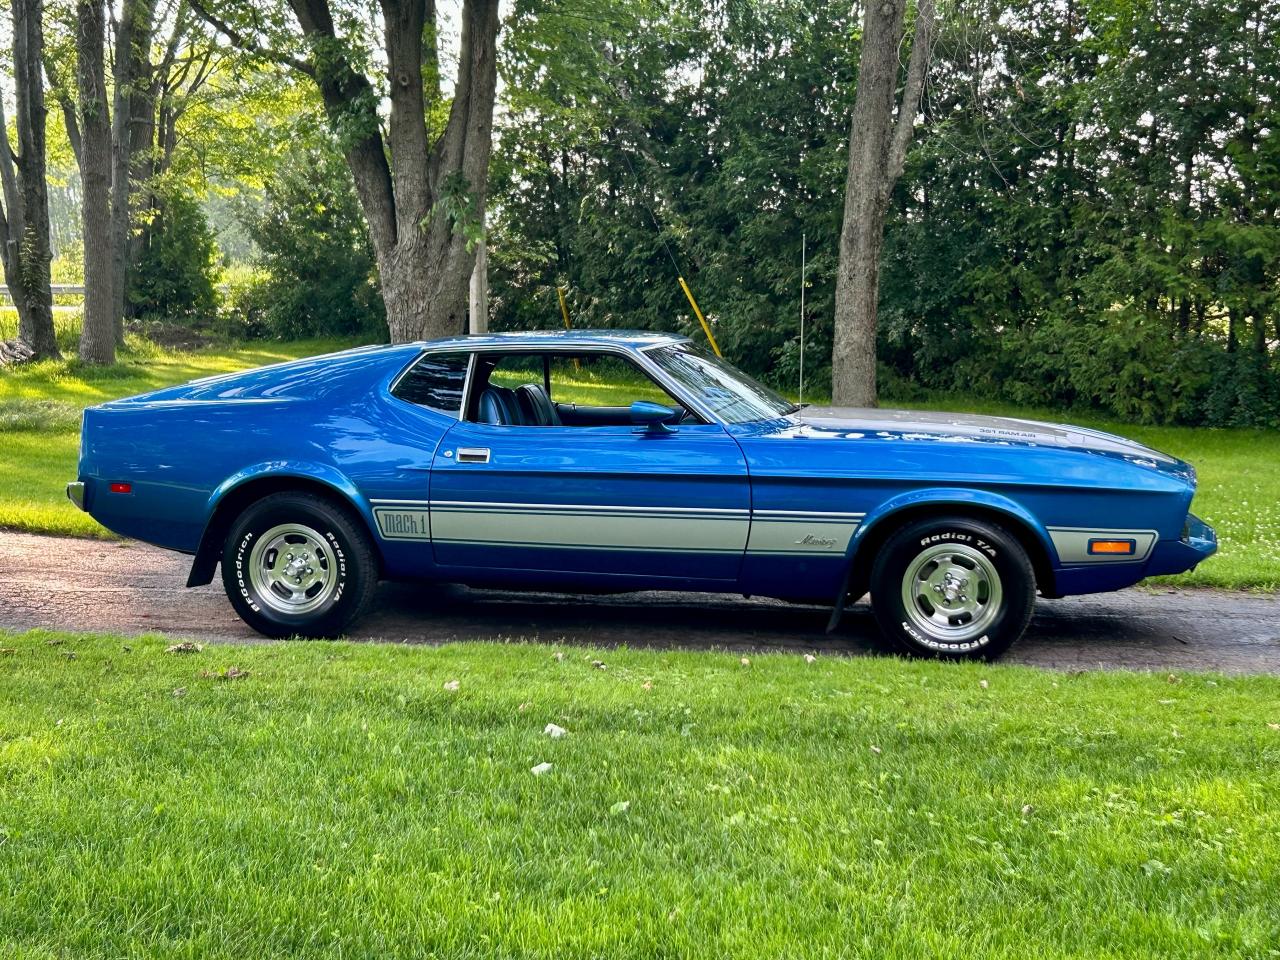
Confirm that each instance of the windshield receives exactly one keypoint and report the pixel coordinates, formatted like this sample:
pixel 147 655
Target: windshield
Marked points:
pixel 728 393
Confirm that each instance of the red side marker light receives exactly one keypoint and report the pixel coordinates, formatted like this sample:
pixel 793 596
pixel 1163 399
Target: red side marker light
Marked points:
pixel 122 488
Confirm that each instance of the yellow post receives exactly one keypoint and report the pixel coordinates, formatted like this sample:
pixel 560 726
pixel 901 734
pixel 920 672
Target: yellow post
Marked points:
pixel 564 307
pixel 564 312
pixel 706 327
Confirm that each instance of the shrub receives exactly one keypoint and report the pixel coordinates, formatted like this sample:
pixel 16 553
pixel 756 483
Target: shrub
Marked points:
pixel 1244 392
pixel 174 278
pixel 316 261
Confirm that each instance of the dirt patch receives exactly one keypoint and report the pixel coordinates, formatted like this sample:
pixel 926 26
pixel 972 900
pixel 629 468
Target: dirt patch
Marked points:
pixel 171 336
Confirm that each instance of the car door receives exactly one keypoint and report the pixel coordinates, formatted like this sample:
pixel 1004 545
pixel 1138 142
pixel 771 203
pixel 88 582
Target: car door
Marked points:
pixel 599 500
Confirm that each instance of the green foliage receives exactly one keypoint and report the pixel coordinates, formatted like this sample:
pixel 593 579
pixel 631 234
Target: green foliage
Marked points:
pixel 1090 216
pixel 695 137
pixel 1242 391
pixel 314 253
pixel 174 280
pixel 1099 230
pixel 458 204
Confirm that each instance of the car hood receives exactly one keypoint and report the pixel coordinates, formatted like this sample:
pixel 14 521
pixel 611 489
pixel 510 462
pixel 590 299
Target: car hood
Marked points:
pixel 928 425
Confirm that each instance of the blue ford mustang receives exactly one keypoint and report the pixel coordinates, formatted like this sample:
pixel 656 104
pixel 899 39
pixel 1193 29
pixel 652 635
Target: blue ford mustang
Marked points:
pixel 476 460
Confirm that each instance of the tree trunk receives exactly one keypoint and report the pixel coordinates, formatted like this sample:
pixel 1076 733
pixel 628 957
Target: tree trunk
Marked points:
pixel 431 252
pixel 1260 335
pixel 132 58
pixel 421 199
pixel 479 312
pixel 1184 315
pixel 142 198
pixel 24 214
pixel 877 151
pixel 853 359
pixel 98 334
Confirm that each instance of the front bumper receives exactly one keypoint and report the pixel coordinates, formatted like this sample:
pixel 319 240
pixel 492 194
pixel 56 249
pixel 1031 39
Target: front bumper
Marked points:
pixel 1198 543
pixel 75 493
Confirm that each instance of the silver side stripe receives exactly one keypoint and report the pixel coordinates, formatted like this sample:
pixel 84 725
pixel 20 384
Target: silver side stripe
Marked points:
pixel 807 515
pixel 582 507
pixel 634 531
pixel 1072 544
pixel 799 536
pixel 566 510
pixel 609 527
pixel 675 529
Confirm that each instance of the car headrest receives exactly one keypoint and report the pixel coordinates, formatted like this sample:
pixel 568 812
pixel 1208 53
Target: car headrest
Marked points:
pixel 536 409
pixel 498 406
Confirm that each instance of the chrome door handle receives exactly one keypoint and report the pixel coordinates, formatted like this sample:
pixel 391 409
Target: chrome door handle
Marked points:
pixel 473 454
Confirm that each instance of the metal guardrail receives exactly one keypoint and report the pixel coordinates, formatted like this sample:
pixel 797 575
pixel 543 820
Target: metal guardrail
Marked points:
pixel 58 290
pixel 77 290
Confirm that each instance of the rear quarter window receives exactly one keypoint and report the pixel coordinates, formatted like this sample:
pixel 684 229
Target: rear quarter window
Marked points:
pixel 436 381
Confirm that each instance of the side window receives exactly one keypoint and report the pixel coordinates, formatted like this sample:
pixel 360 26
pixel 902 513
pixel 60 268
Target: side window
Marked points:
pixel 584 389
pixel 602 380
pixel 436 381
pixel 516 369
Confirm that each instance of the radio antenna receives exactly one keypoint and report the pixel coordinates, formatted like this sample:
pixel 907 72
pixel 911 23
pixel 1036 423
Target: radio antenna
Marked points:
pixel 802 270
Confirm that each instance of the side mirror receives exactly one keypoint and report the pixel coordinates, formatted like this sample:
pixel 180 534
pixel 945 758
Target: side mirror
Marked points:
pixel 653 417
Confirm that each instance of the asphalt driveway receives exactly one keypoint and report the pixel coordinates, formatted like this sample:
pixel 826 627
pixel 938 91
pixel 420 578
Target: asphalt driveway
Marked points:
pixel 130 588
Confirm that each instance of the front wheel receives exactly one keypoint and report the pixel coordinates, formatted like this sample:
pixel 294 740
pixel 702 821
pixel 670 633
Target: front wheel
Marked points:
pixel 296 564
pixel 953 588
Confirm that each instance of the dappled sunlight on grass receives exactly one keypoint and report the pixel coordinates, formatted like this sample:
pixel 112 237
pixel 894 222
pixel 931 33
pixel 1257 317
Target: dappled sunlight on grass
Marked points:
pixel 143 367
pixel 34 471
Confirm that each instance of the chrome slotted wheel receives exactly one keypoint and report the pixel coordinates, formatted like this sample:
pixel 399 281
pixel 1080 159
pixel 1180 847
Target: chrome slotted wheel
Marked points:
pixel 951 592
pixel 291 569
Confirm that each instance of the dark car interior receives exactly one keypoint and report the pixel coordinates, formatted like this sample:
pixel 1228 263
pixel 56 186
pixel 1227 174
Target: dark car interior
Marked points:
pixel 531 404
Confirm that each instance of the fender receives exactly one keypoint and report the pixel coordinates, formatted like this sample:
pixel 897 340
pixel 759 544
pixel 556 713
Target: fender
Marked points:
pixel 282 474
pixel 933 496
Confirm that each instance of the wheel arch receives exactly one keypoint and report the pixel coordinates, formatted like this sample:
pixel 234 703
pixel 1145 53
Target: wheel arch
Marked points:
pixel 973 505
pixel 252 484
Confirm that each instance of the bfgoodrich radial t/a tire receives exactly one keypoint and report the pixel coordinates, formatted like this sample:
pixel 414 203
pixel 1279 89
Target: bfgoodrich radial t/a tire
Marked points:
pixel 953 588
pixel 296 564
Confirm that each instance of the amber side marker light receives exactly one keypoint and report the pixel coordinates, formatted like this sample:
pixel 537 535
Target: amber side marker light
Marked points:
pixel 1123 548
pixel 122 488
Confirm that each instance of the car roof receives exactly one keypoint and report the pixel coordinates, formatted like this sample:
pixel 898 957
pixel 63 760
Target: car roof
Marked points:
pixel 564 339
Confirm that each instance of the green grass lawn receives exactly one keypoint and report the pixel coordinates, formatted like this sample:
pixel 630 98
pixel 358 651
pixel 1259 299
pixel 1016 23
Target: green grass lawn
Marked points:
pixel 39 438
pixel 338 801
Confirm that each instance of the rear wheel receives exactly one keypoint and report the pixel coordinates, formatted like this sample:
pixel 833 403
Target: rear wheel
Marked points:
pixel 298 564
pixel 953 588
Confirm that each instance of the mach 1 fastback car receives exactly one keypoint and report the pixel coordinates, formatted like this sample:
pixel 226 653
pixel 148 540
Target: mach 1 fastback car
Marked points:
pixel 613 461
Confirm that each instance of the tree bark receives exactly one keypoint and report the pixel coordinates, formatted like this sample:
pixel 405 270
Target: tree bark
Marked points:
pixel 877 152
pixel 132 62
pixel 98 333
pixel 420 199
pixel 158 100
pixel 479 312
pixel 24 214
